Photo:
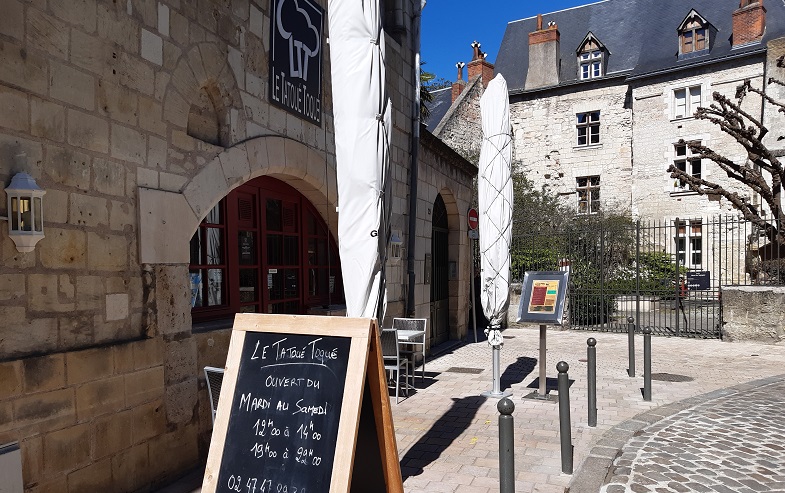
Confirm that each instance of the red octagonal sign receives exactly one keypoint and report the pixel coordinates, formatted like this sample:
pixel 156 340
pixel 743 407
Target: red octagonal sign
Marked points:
pixel 473 218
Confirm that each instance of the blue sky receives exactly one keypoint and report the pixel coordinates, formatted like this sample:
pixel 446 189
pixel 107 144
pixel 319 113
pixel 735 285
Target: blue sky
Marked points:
pixel 450 26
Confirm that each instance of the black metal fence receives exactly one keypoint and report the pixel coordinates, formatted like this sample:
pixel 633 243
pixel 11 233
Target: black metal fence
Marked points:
pixel 667 275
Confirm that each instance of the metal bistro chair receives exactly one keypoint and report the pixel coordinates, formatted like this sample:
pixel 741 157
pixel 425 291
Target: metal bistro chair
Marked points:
pixel 416 346
pixel 214 377
pixel 393 362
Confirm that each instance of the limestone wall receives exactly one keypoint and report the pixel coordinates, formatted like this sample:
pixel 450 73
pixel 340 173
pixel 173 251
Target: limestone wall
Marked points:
pixel 753 313
pixel 545 143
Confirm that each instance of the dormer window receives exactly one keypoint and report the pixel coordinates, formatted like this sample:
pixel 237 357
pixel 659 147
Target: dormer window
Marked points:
pixel 693 34
pixel 591 58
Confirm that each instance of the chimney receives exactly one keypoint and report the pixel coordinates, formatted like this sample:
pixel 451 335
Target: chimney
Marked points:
pixel 749 22
pixel 544 56
pixel 458 85
pixel 478 67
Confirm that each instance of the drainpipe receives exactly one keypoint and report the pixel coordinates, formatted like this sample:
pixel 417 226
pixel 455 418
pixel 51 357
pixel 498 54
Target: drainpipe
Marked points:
pixel 415 147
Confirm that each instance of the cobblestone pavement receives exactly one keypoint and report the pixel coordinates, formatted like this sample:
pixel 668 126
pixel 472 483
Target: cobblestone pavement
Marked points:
pixel 447 433
pixel 728 444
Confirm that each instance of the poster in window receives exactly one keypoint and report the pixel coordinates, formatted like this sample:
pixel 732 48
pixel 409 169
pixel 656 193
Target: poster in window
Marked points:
pixel 196 289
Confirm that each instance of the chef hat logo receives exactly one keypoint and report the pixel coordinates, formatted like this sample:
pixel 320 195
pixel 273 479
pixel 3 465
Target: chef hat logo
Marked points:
pixel 304 44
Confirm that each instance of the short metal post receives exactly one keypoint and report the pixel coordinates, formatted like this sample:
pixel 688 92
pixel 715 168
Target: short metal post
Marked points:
pixel 506 450
pixel 565 427
pixel 647 363
pixel 631 345
pixel 543 379
pixel 591 356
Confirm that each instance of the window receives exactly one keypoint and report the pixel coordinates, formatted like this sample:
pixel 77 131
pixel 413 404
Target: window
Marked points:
pixel 263 249
pixel 687 162
pixel 588 126
pixel 693 34
pixel 588 194
pixel 686 101
pixel 590 64
pixel 689 242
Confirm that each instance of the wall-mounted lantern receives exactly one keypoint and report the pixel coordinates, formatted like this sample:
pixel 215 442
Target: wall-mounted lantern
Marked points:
pixel 395 246
pixel 25 212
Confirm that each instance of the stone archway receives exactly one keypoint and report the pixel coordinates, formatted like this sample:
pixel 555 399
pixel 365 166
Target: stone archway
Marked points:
pixel 455 239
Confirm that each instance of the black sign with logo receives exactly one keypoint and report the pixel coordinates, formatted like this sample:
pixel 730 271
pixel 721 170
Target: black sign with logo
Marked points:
pixel 296 28
pixel 698 280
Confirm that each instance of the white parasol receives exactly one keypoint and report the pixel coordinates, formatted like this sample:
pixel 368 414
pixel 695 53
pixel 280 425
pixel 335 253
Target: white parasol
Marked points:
pixel 495 208
pixel 361 109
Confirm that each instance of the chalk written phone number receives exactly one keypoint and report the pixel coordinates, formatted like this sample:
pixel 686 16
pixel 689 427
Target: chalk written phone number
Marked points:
pixel 253 485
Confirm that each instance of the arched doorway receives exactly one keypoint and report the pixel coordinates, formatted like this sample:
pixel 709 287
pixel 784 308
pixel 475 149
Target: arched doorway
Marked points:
pixel 263 248
pixel 440 282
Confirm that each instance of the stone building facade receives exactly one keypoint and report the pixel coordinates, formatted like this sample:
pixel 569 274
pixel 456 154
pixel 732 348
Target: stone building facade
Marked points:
pixel 140 119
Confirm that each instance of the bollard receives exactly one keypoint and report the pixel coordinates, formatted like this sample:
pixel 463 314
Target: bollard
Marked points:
pixel 631 345
pixel 506 452
pixel 591 356
pixel 565 429
pixel 647 363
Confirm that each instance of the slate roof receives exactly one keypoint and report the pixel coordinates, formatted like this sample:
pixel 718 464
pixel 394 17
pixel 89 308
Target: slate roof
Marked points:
pixel 442 98
pixel 641 36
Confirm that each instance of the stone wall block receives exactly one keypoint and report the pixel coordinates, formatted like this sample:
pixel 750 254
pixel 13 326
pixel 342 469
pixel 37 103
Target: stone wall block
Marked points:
pixel 89 292
pixel 174 452
pixel 23 68
pixel 234 162
pixel 10 379
pixel 68 167
pixel 15 109
pixel 186 83
pixel 82 13
pixel 151 116
pixel 206 188
pixel 95 477
pixel 122 216
pixel 44 373
pixel 134 73
pixel 152 47
pixel 148 353
pixel 180 361
pixel 123 355
pixel 144 385
pixel 12 286
pixel 36 335
pixel 176 108
pixel 47 33
pixel 109 177
pixel 88 365
pixel 45 411
pixel 88 211
pixel 128 144
pixel 67 449
pixel 12 21
pixel 117 306
pixel 213 59
pixel 754 313
pixel 32 460
pixel 99 397
pixel 47 119
pixel 76 330
pixel 50 293
pixel 107 252
pixel 257 155
pixel 147 421
pixel 113 25
pixel 72 86
pixel 117 102
pixel 181 400
pixel 111 434
pixel 131 468
pixel 172 300
pixel 63 248
pixel 92 53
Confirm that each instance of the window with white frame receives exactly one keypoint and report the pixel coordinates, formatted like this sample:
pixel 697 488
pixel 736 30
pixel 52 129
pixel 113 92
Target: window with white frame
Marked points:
pixel 689 243
pixel 588 189
pixel 686 100
pixel 588 128
pixel 686 161
pixel 590 63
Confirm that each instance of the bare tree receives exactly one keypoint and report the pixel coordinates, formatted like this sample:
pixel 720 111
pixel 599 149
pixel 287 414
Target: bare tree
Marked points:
pixel 762 171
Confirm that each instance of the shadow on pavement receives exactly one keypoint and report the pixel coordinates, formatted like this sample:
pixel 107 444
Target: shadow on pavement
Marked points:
pixel 439 437
pixel 517 372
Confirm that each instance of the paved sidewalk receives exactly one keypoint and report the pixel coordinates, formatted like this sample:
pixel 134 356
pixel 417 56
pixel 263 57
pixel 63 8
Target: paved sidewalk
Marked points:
pixel 448 437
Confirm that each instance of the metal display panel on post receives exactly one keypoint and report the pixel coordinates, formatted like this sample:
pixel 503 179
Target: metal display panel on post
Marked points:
pixel 542 302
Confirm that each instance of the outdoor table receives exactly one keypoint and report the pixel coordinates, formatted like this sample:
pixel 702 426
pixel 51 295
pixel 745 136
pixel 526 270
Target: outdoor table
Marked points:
pixel 405 336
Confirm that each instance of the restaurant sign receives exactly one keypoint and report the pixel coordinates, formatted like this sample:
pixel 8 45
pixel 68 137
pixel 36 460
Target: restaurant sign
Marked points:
pixel 295 58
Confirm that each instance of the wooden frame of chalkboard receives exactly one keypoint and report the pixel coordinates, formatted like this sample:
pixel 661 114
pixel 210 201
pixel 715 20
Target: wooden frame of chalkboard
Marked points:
pixel 304 408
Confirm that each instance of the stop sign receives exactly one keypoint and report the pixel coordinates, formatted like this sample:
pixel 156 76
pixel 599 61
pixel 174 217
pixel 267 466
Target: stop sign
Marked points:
pixel 473 218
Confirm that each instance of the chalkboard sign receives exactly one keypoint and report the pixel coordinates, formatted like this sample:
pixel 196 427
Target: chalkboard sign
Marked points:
pixel 290 408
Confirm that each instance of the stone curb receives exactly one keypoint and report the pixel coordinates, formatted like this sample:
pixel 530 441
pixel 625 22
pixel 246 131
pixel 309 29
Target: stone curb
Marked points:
pixel 594 471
